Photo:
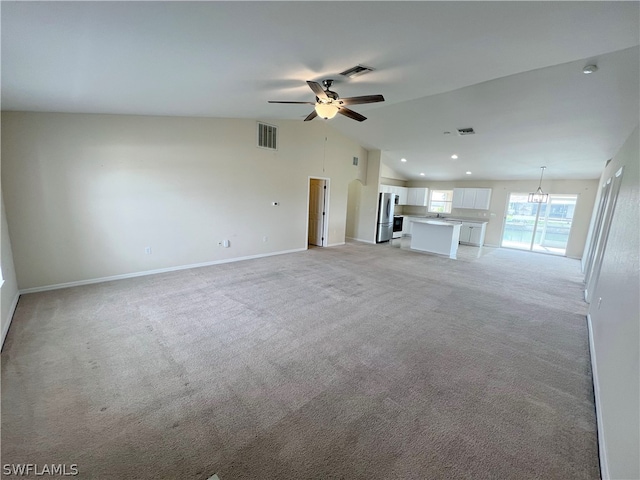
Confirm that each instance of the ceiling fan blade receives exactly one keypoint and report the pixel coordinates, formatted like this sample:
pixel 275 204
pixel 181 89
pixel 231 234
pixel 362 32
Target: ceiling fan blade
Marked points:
pixel 351 114
pixel 301 103
pixel 311 116
pixel 317 89
pixel 363 99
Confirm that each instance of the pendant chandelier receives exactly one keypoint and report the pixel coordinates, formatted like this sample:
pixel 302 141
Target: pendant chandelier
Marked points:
pixel 539 196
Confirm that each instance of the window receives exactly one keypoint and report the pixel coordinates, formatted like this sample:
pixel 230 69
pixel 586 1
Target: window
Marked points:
pixel 440 201
pixel 539 227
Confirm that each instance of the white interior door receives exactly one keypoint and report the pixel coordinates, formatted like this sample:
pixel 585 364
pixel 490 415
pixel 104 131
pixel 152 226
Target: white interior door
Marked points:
pixel 317 213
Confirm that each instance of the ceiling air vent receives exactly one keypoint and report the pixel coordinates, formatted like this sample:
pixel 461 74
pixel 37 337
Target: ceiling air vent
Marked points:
pixel 356 71
pixel 466 131
pixel 267 136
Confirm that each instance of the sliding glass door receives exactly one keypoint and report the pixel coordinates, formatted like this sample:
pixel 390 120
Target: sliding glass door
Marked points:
pixel 539 227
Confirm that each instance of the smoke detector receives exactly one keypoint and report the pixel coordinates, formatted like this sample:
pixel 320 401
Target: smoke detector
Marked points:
pixel 466 131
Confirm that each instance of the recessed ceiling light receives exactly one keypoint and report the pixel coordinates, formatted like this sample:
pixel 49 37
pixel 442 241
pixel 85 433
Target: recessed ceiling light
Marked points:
pixel 454 156
pixel 446 133
pixel 468 173
pixel 403 159
pixel 422 174
pixel 590 69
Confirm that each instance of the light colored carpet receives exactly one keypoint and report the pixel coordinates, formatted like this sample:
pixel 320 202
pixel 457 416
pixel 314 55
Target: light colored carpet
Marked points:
pixel 352 362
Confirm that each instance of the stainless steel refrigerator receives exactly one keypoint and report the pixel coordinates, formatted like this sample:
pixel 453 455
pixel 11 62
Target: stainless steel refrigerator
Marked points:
pixel 385 217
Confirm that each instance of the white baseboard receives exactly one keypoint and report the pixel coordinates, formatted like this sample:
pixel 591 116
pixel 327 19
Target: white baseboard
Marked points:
pixel 335 244
pixel 153 272
pixel 12 310
pixel 604 465
pixel 361 240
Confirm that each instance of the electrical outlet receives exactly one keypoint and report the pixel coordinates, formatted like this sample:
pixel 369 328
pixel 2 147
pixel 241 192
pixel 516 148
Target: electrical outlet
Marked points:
pixel 223 243
pixel 147 250
pixel 265 239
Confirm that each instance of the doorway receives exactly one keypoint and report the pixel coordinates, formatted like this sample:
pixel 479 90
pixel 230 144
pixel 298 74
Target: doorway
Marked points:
pixel 318 215
pixel 539 227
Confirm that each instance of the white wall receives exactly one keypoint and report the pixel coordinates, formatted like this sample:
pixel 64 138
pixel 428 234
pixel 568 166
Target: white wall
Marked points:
pixel 615 325
pixel 585 189
pixel 9 288
pixel 389 173
pixel 85 194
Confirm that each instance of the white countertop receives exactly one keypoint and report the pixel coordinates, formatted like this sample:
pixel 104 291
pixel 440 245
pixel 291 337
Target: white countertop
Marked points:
pixel 415 218
pixel 435 222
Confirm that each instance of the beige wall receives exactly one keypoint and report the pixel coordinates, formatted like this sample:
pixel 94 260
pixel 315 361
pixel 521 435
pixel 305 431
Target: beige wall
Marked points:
pixel 363 202
pixel 615 324
pixel 85 194
pixel 389 174
pixel 585 189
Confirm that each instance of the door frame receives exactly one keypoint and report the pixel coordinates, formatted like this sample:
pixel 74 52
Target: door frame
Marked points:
pixel 325 227
pixel 593 272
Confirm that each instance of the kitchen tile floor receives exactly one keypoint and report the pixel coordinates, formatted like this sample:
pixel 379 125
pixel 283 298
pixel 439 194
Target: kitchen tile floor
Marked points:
pixel 465 252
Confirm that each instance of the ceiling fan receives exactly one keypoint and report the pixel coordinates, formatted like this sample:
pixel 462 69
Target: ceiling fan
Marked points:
pixel 328 103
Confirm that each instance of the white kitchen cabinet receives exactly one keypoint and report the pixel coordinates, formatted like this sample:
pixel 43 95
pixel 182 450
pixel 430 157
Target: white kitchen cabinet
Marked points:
pixel 399 191
pixel 472 198
pixel 458 197
pixel 483 199
pixel 472 233
pixel 406 225
pixel 418 196
pixel 404 194
pixel 469 198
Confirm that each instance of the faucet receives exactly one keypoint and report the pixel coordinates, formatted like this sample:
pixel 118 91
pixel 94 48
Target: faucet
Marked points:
pixel 438 215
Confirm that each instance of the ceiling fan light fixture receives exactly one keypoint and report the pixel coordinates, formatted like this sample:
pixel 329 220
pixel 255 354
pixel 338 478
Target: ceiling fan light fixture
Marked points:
pixel 326 110
pixel 328 104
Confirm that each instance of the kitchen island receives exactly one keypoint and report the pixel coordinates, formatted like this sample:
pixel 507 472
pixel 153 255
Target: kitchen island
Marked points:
pixel 435 236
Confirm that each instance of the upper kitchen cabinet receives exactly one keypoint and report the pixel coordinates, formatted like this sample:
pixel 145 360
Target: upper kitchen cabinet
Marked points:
pixel 483 198
pixel 401 192
pixel 418 196
pixel 472 198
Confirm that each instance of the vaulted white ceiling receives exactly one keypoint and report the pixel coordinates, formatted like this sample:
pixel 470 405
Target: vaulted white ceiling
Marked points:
pixel 510 70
